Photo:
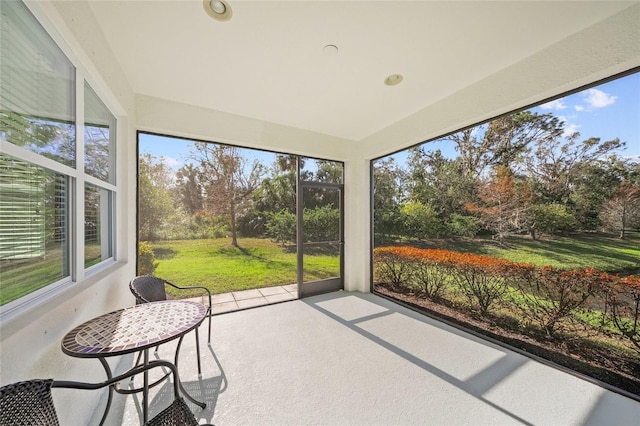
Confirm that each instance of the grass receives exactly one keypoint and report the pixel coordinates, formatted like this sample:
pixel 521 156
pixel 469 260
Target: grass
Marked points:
pixel 214 263
pixel 217 265
pixel 601 251
pixel 21 277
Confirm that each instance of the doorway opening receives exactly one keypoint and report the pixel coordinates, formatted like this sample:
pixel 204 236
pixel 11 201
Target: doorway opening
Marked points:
pixel 254 227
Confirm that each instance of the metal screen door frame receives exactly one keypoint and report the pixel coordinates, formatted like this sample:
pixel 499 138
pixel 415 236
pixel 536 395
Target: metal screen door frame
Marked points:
pixel 311 288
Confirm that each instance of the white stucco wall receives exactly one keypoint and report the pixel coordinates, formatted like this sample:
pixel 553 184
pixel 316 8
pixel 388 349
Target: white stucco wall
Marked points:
pixel 31 333
pixel 177 119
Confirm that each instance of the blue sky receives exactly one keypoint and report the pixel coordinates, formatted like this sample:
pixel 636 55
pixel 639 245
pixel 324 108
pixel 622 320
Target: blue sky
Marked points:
pixel 606 111
pixel 176 151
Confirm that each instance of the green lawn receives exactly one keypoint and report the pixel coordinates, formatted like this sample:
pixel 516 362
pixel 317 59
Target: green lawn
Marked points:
pixel 596 250
pixel 21 277
pixel 258 263
pixel 217 265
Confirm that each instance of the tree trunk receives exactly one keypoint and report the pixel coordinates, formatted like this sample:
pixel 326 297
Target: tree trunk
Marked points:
pixel 624 220
pixel 234 237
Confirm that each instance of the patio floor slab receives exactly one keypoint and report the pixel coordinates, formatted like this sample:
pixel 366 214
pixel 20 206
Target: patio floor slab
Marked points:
pixel 354 359
pixel 238 300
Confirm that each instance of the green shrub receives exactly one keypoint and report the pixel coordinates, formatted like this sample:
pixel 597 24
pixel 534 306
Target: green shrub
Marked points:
pixel 553 218
pixel 320 224
pixel 420 220
pixel 147 263
pixel 281 227
pixel 464 226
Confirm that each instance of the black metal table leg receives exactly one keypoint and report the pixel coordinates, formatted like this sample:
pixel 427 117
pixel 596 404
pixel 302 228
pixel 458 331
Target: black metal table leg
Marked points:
pixel 107 370
pixel 145 389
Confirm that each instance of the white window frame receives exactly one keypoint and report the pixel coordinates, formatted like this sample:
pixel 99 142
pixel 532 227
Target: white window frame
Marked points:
pixel 77 179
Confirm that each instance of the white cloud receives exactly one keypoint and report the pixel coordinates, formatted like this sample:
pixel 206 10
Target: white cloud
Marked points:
pixel 174 163
pixel 569 128
pixel 579 108
pixel 598 99
pixel 557 104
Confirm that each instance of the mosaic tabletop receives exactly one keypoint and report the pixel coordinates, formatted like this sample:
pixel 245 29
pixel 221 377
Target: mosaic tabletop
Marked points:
pixel 133 329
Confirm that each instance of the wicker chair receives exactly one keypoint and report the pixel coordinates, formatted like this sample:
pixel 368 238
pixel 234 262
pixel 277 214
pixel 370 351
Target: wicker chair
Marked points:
pixel 29 403
pixel 146 289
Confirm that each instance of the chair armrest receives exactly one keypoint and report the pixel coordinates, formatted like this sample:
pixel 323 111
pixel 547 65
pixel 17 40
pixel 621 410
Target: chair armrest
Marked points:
pixel 191 287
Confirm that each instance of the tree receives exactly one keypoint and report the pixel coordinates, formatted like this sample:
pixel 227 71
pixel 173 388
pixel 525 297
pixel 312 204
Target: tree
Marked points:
pixel 439 182
pixel 188 189
pixel 504 204
pixel 278 191
pixel 275 194
pixel 503 141
pixel 622 210
pixel 387 196
pixel 328 171
pixel 49 138
pixel 228 180
pixel 556 164
pixel 463 225
pixel 320 223
pixel 154 200
pixel 592 186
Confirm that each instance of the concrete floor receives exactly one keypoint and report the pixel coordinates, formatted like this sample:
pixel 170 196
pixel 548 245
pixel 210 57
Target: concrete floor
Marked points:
pixel 358 359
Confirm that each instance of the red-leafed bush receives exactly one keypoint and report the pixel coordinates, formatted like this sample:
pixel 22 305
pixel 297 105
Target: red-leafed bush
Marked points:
pixel 551 295
pixel 547 297
pixel 432 271
pixel 484 280
pixel 391 266
pixel 623 308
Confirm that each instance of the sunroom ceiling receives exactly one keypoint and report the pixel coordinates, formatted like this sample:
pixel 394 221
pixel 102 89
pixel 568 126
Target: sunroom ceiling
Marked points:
pixel 268 61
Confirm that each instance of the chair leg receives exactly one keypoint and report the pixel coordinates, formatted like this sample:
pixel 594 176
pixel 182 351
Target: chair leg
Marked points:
pixel 209 339
pixel 198 351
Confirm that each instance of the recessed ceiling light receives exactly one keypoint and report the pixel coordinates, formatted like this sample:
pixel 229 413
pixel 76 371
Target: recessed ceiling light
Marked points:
pixel 393 79
pixel 330 50
pixel 217 9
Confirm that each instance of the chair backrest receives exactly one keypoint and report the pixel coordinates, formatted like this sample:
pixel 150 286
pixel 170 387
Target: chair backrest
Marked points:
pixel 28 403
pixel 148 289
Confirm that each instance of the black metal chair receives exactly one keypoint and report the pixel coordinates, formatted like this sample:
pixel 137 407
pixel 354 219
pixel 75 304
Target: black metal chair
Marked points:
pixel 146 289
pixel 29 403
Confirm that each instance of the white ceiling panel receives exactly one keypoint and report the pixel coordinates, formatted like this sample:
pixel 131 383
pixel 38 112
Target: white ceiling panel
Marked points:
pixel 267 62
